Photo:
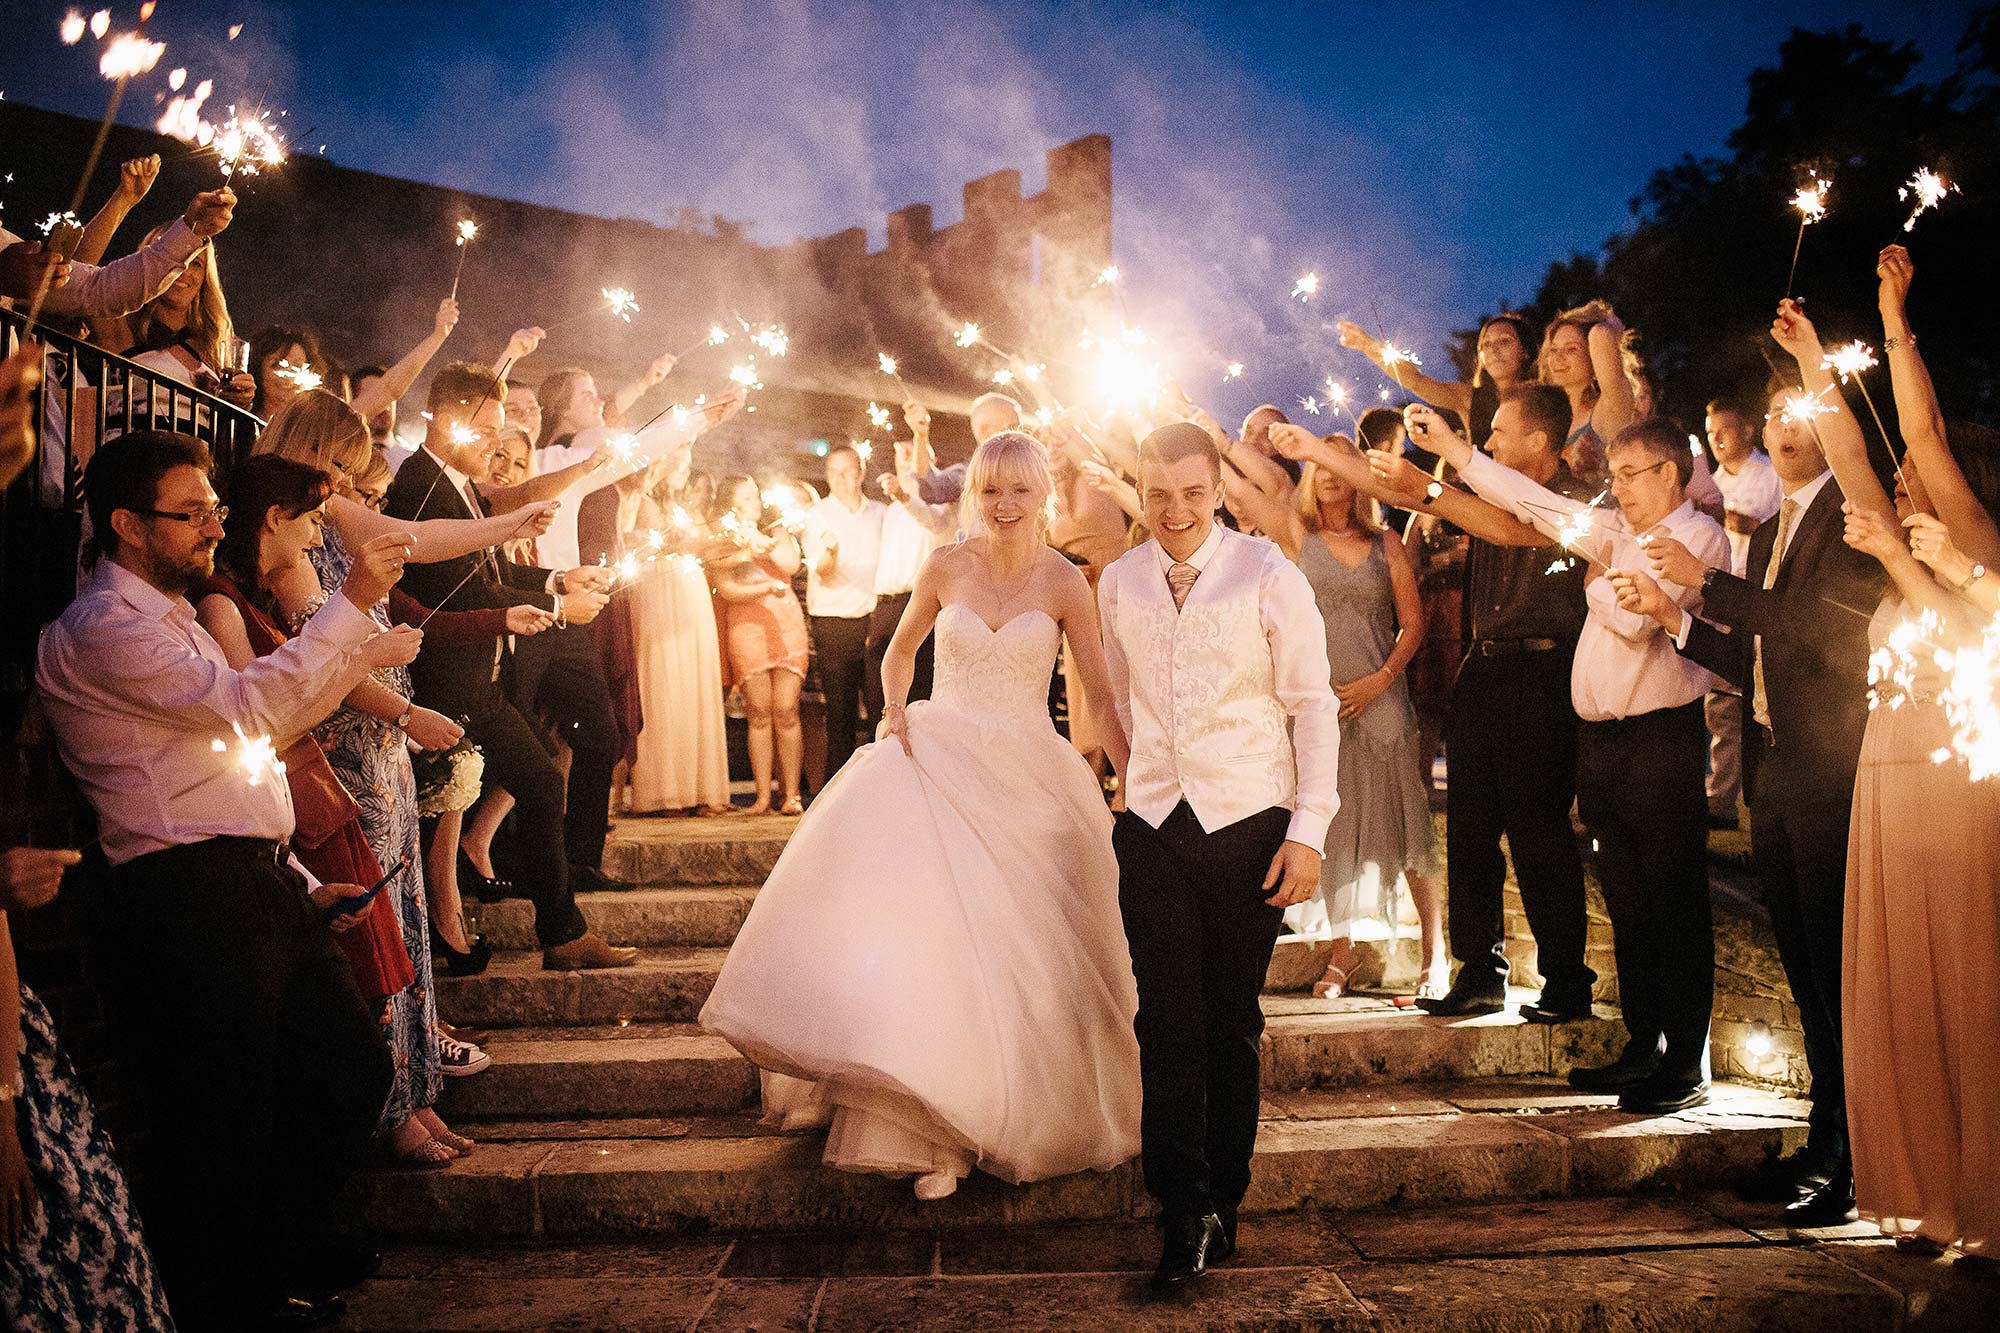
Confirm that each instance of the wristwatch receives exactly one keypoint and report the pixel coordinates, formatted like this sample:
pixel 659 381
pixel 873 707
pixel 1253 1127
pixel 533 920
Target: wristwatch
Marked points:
pixel 1433 491
pixel 403 722
pixel 1978 573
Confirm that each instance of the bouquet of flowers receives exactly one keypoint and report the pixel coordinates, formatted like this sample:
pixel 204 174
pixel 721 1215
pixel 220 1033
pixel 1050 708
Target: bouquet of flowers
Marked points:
pixel 448 780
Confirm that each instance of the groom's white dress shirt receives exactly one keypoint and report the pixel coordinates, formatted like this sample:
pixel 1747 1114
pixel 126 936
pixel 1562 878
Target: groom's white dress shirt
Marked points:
pixel 1204 692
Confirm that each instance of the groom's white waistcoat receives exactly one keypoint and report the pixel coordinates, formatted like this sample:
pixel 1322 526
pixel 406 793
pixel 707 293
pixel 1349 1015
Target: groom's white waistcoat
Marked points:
pixel 1203 692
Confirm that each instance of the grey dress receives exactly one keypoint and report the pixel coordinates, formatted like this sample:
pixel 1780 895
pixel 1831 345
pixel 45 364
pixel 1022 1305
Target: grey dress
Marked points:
pixel 1383 827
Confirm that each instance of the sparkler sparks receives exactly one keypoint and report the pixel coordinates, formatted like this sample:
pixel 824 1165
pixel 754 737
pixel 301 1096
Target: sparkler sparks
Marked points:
pixel 1804 409
pixel 878 416
pixel 1306 287
pixel 1924 661
pixel 1849 359
pixel 965 335
pixel 1810 201
pixel 467 229
pixel 245 143
pixel 620 302
pixel 54 220
pixel 175 78
pixel 1107 276
pixel 886 362
pixel 1310 404
pixel 1393 356
pixel 1232 371
pixel 863 449
pixel 302 376
pixel 1003 377
pixel 183 119
pixel 745 374
pixel 1928 189
pixel 129 56
pixel 256 757
pixel 773 340
pixel 717 335
pixel 100 23
pixel 72 28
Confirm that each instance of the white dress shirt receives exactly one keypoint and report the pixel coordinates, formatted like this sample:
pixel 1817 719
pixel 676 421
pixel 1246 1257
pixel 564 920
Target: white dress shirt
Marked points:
pixel 906 544
pixel 139 695
pixel 1205 691
pixel 848 590
pixel 123 285
pixel 1752 491
pixel 1625 664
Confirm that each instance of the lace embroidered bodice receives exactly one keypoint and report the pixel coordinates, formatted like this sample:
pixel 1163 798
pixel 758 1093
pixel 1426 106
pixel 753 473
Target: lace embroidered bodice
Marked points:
pixel 995 673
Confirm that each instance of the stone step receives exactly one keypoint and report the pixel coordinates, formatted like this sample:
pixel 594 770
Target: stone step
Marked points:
pixel 729 849
pixel 682 916
pixel 1669 1265
pixel 1489 1140
pixel 654 1069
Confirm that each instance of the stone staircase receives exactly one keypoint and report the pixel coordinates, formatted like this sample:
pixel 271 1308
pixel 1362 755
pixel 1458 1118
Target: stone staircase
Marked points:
pixel 607 1114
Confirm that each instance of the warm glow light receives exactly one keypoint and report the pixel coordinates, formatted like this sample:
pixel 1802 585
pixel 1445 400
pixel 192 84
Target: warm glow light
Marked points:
pixel 966 334
pixel 302 376
pixel 1232 371
pixel 1928 189
pixel 1306 287
pixel 887 362
pixel 129 56
pixel 1810 201
pixel 1849 359
pixel 100 23
pixel 72 28
pixel 467 229
pixel 621 302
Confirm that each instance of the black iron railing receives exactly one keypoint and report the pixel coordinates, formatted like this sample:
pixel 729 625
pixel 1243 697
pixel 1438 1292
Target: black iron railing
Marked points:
pixel 87 396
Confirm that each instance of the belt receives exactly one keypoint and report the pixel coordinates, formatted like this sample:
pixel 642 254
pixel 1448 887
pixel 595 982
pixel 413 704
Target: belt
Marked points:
pixel 1509 647
pixel 262 850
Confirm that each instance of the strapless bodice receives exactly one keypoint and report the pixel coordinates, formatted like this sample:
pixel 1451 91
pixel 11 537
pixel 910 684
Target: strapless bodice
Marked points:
pixel 994 673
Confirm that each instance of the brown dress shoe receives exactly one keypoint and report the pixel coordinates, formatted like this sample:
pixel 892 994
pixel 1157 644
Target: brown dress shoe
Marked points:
pixel 587 951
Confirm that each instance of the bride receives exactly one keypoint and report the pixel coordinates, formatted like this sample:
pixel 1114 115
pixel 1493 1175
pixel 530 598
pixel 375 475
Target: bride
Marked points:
pixel 936 967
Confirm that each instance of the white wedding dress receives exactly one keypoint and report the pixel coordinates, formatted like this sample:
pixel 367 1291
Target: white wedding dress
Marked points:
pixel 936 965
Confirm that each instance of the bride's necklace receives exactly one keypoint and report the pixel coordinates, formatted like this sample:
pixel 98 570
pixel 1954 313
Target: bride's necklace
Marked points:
pixel 1003 602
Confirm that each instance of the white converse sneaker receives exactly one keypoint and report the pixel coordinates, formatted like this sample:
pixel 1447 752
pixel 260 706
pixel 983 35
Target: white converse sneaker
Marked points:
pixel 935 1185
pixel 460 1058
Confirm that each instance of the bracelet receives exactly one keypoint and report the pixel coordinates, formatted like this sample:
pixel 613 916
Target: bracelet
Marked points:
pixel 1903 340
pixel 562 621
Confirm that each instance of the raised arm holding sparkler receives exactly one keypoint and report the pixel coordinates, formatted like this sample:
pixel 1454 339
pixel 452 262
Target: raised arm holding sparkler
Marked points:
pixel 135 180
pixel 1839 431
pixel 394 382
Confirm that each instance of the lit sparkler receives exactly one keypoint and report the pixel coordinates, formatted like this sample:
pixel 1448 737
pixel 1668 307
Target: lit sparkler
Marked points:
pixel 1310 404
pixel 175 79
pixel 1306 287
pixel 717 335
pixel 1232 371
pixel 1003 377
pixel 467 229
pixel 302 376
pixel 54 220
pixel 1810 201
pixel 129 55
pixel 1107 276
pixel 1959 671
pixel 878 416
pixel 1804 409
pixel 886 362
pixel 620 302
pixel 245 143
pixel 183 120
pixel 863 449
pixel 1928 189
pixel 256 757
pixel 100 23
pixel 1848 361
pixel 72 28
pixel 965 335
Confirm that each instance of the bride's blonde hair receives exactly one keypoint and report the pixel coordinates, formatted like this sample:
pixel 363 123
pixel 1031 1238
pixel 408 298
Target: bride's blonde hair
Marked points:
pixel 1005 458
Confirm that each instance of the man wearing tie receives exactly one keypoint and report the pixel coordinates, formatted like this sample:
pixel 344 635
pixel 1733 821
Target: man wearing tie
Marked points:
pixel 1781 633
pixel 463 680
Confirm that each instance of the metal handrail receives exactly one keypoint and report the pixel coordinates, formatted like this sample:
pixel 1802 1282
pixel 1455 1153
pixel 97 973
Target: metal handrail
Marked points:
pixel 88 396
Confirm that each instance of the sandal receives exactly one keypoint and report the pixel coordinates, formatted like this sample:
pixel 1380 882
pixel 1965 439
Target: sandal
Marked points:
pixel 430 1155
pixel 1331 985
pixel 714 811
pixel 458 1143
pixel 792 807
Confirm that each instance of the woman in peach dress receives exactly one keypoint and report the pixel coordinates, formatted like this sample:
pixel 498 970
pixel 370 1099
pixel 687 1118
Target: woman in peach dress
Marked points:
pixel 765 631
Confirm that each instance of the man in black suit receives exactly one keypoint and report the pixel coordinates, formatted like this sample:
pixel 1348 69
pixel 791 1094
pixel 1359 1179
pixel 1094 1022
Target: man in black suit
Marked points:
pixel 463 679
pixel 1793 635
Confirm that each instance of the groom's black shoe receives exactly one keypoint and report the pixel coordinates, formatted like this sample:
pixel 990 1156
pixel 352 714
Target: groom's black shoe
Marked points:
pixel 1224 1248
pixel 1470 994
pixel 1190 1243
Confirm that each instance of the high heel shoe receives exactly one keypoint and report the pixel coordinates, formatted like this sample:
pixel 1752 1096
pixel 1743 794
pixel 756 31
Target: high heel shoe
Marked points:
pixel 487 888
pixel 470 963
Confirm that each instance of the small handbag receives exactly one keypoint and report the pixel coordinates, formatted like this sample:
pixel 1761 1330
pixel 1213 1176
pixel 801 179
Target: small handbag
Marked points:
pixel 321 807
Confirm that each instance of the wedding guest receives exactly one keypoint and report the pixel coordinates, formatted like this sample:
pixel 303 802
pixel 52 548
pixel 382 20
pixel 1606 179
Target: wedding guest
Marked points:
pixel 1511 733
pixel 1581 356
pixel 79 290
pixel 1805 669
pixel 436 483
pixel 376 390
pixel 768 645
pixel 989 414
pixel 1640 750
pixel 1382 843
pixel 181 333
pixel 222 945
pixel 1921 974
pixel 843 543
pixel 277 354
pixel 1503 362
pixel 1750 496
pixel 907 541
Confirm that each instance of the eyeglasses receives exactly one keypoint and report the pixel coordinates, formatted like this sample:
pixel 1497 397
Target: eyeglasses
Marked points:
pixel 200 518
pixel 1630 475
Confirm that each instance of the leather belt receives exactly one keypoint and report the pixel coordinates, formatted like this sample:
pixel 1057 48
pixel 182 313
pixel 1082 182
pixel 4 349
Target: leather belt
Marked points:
pixel 1509 647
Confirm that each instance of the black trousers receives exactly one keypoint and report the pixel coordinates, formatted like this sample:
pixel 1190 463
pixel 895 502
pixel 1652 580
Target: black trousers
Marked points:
pixel 841 644
pixel 1201 936
pixel 1642 791
pixel 882 622
pixel 560 672
pixel 265 1072
pixel 1510 751
pixel 1798 843
pixel 517 760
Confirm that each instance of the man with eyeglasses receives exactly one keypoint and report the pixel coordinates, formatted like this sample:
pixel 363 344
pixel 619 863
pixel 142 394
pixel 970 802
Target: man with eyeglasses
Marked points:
pixel 265 1068
pixel 1641 749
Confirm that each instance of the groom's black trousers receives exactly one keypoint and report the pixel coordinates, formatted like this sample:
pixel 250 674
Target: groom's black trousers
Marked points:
pixel 1201 936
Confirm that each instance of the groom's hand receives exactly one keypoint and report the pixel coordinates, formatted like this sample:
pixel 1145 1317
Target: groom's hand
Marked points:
pixel 1295 872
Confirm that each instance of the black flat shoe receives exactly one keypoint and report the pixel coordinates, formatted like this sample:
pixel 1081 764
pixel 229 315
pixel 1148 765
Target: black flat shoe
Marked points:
pixel 1466 998
pixel 1831 1205
pixel 589 879
pixel 1787 1179
pixel 1190 1242
pixel 1664 1096
pixel 486 888
pixel 1553 1007
pixel 468 964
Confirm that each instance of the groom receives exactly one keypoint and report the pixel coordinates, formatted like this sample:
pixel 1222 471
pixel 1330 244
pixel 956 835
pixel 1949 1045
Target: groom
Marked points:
pixel 1213 639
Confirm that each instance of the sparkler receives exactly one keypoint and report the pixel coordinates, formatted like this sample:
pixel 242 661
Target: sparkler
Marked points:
pixel 175 78
pixel 1803 409
pixel 1966 680
pixel 966 335
pixel 1232 371
pixel 467 229
pixel 863 449
pixel 621 303
pixel 1928 189
pixel 1310 404
pixel 100 23
pixel 1107 276
pixel 1848 361
pixel 1810 201
pixel 129 56
pixel 304 377
pixel 1306 287
pixel 245 143
pixel 715 337
pixel 256 757
pixel 54 220
pixel 878 416
pixel 1003 377
pixel 1394 356
pixel 72 28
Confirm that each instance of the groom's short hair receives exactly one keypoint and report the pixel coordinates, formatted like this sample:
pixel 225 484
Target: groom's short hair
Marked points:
pixel 1181 439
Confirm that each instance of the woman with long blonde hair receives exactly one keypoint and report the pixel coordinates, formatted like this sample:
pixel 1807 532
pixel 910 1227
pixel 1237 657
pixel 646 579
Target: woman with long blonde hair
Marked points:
pixel 183 333
pixel 1582 354
pixel 904 988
